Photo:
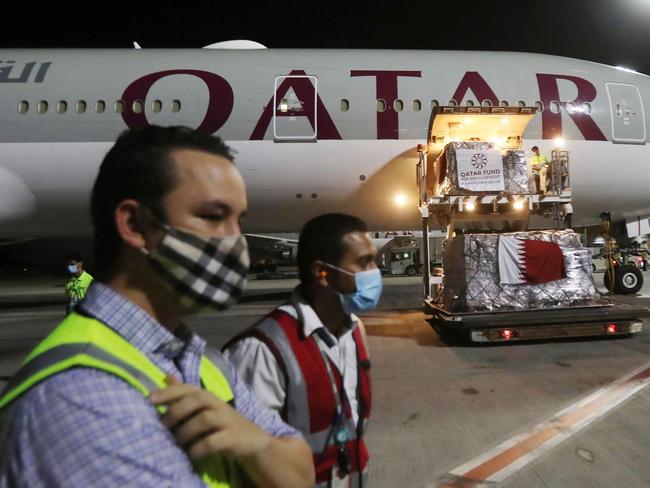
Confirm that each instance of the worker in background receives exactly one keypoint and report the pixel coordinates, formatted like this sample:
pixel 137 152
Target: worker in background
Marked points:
pixel 122 393
pixel 308 358
pixel 540 168
pixel 77 285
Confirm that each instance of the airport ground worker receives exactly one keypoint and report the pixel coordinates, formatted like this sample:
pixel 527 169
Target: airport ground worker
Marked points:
pixel 77 285
pixel 122 393
pixel 308 358
pixel 540 168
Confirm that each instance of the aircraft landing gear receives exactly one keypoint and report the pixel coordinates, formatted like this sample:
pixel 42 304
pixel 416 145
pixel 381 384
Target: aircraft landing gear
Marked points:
pixel 627 279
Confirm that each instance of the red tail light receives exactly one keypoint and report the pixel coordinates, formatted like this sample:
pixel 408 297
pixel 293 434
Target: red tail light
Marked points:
pixel 612 328
pixel 506 334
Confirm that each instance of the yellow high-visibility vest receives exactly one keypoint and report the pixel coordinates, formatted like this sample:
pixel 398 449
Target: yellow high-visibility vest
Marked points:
pixel 86 342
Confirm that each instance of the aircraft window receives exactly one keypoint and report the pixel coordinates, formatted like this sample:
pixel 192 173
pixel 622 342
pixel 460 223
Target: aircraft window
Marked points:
pixel 571 107
pixel 23 107
pixel 586 107
pixel 381 105
pixel 138 106
pixel 434 104
pixel 398 105
pixel 100 106
pixel 314 195
pixel 119 106
pixel 539 105
pixel 453 103
pixel 504 103
pixel 298 195
pixel 42 107
pixel 176 106
pixel 62 106
pixel 417 105
pixel 362 177
pixel 81 106
pixel 156 106
pixel 469 103
pixel 521 103
pixel 486 103
pixel 345 105
pixel 555 107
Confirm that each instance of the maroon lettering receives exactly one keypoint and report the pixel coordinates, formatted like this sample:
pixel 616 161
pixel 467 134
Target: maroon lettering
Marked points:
pixel 552 122
pixel 305 91
pixel 475 82
pixel 219 106
pixel 387 121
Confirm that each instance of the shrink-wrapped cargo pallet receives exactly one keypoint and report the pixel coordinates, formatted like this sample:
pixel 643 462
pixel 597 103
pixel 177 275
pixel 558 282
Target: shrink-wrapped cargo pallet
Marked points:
pixel 473 278
pixel 515 172
pixel 478 166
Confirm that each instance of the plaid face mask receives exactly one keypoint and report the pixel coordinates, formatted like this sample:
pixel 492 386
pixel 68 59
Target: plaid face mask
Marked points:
pixel 207 273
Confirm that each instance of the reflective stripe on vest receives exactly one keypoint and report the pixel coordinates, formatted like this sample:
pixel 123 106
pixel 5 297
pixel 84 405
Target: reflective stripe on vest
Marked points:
pixel 310 402
pixel 86 342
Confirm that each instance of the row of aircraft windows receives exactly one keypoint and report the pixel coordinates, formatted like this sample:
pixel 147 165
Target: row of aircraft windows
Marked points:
pixel 138 106
pixel 416 105
pixel 100 106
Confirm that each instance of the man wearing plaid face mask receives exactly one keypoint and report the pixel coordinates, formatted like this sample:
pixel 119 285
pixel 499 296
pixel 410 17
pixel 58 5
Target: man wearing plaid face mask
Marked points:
pixel 122 392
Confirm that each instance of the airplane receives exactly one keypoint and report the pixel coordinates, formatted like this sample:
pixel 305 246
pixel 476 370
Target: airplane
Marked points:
pixel 313 130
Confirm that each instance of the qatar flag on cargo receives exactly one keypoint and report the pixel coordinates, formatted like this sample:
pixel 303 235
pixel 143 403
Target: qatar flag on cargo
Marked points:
pixel 529 262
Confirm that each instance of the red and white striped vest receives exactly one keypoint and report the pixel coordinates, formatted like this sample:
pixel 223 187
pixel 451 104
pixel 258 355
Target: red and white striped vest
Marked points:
pixel 310 403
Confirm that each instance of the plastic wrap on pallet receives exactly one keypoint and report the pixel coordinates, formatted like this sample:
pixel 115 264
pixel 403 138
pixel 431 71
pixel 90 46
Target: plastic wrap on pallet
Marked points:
pixel 515 169
pixel 449 178
pixel 471 281
pixel 515 172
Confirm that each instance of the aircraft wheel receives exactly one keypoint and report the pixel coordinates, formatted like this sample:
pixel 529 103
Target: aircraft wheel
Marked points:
pixel 628 279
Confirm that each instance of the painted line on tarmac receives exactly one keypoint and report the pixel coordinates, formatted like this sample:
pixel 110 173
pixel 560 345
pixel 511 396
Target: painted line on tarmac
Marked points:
pixel 512 455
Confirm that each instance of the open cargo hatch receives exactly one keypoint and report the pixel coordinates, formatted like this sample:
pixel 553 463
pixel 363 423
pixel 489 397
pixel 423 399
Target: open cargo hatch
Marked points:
pixel 503 126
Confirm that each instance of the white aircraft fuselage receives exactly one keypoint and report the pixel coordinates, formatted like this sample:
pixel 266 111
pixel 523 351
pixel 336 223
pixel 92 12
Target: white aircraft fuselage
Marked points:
pixel 314 130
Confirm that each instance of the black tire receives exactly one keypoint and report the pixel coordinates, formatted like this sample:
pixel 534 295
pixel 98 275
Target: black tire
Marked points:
pixel 628 279
pixel 411 271
pixel 606 279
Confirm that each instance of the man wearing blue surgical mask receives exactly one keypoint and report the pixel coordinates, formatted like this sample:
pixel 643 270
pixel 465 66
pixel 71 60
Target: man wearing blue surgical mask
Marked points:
pixel 308 358
pixel 77 285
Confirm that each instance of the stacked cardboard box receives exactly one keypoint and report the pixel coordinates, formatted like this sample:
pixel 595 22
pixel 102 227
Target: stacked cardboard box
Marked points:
pixel 472 283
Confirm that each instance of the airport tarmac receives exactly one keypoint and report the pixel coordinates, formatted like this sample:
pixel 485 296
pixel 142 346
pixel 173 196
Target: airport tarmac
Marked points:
pixel 543 414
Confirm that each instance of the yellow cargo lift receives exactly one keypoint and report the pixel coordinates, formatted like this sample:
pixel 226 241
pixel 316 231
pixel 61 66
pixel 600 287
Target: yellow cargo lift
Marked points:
pixel 461 209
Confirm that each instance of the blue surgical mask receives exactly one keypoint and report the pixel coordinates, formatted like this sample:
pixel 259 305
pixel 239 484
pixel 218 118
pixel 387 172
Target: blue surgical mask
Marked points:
pixel 368 291
pixel 73 269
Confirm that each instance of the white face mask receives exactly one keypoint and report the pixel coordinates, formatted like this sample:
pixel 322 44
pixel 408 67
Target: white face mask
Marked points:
pixel 205 272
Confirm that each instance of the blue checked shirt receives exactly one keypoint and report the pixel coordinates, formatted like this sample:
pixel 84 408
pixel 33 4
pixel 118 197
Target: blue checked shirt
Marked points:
pixel 84 427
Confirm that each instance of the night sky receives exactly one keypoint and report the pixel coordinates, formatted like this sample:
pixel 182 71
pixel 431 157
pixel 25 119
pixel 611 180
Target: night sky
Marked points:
pixel 615 32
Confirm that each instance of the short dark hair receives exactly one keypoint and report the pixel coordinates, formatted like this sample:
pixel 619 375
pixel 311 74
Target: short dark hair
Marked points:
pixel 139 166
pixel 534 148
pixel 322 239
pixel 73 256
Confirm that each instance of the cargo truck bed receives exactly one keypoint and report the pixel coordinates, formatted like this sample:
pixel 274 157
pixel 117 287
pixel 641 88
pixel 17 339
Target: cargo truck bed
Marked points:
pixel 605 319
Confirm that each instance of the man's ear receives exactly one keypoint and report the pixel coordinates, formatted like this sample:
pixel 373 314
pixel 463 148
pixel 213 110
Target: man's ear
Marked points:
pixel 320 272
pixel 128 223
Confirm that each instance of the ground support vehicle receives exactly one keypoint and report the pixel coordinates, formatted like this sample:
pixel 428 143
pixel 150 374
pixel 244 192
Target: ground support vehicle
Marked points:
pixel 404 261
pixel 463 212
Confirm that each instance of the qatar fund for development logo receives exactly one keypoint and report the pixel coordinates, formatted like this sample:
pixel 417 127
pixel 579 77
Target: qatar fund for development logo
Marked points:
pixel 479 160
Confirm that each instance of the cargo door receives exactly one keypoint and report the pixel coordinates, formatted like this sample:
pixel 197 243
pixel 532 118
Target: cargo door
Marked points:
pixel 628 119
pixel 294 99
